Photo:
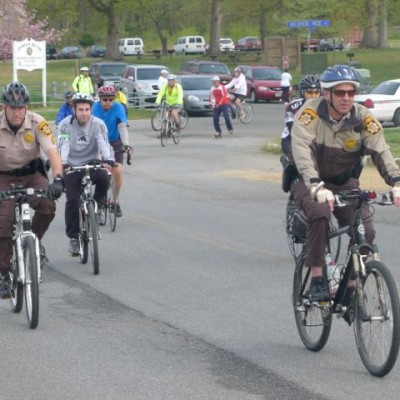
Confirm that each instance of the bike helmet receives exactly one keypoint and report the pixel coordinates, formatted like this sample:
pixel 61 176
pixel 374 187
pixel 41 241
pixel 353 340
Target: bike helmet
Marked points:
pixel 238 69
pixel 338 74
pixel 16 94
pixel 310 83
pixel 84 69
pixel 107 90
pixel 215 78
pixel 82 98
pixel 68 94
pixel 171 77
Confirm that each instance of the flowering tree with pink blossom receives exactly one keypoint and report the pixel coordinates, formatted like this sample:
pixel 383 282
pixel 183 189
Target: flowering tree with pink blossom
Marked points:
pixel 17 24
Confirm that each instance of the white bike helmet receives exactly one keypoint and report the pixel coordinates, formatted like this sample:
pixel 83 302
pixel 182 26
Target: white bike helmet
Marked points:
pixel 215 78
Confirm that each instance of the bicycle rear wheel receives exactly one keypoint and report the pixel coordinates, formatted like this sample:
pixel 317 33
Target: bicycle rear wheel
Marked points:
pixel 183 115
pixel 31 282
pixel 112 212
pixel 296 244
pixel 248 113
pixel 156 119
pixel 93 236
pixel 377 320
pixel 83 236
pixel 313 322
pixel 164 133
pixel 17 288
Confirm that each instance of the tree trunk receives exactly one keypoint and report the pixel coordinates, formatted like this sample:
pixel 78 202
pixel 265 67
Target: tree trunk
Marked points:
pixel 112 52
pixel 375 32
pixel 216 20
pixel 383 29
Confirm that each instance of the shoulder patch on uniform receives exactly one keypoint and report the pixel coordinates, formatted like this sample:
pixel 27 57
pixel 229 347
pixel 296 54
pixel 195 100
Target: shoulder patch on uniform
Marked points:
pixel 307 116
pixel 44 128
pixel 371 125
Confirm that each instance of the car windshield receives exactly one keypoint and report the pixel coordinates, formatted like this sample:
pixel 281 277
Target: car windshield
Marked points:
pixel 196 83
pixel 213 69
pixel 386 88
pixel 266 74
pixel 225 41
pixel 148 73
pixel 115 70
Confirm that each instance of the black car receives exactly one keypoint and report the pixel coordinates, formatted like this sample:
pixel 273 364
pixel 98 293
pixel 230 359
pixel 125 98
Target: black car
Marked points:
pixel 96 51
pixel 51 52
pixel 70 52
pixel 106 72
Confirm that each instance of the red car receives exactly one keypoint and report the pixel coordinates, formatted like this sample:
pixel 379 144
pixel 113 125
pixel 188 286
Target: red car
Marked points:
pixel 263 82
pixel 248 43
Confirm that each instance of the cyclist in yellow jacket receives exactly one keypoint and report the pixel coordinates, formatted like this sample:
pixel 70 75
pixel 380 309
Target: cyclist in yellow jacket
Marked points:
pixel 173 94
pixel 83 83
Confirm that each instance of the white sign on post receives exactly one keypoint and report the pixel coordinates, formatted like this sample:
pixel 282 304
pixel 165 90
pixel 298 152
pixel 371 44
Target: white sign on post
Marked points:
pixel 30 55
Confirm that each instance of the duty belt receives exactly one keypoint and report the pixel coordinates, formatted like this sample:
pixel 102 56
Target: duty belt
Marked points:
pixel 27 169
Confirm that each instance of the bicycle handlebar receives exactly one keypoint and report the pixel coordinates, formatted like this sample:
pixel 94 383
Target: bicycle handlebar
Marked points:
pixel 16 191
pixel 363 196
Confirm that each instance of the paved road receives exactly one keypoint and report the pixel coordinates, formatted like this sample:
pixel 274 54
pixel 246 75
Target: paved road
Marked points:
pixel 193 297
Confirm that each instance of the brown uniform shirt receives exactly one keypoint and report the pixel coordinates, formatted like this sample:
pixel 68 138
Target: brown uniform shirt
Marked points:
pixel 19 149
pixel 323 151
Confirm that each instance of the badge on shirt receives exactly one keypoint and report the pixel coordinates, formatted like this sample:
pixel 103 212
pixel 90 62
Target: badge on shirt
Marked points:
pixel 44 128
pixel 307 116
pixel 350 144
pixel 370 125
pixel 29 137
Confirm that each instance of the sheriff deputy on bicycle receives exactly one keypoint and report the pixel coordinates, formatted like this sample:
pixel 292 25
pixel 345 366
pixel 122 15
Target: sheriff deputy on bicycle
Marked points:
pixel 329 136
pixel 23 134
pixel 173 94
pixel 82 138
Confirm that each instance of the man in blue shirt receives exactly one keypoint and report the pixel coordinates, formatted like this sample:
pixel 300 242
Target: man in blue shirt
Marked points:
pixel 66 109
pixel 113 115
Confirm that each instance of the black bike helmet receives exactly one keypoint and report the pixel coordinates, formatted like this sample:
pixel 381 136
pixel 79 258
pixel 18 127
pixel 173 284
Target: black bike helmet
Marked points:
pixel 338 74
pixel 16 94
pixel 310 83
pixel 82 98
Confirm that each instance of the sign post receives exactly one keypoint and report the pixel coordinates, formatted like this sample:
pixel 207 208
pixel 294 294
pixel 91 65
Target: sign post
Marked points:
pixel 311 24
pixel 30 55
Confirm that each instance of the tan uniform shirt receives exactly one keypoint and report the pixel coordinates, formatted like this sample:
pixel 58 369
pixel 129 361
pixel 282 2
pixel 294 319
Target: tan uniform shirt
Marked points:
pixel 323 150
pixel 19 149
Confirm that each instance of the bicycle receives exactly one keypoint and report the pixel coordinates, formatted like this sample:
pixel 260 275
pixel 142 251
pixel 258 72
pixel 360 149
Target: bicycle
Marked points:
pixel 168 128
pixel 109 211
pixel 158 114
pixel 234 112
pixel 88 216
pixel 25 274
pixel 372 303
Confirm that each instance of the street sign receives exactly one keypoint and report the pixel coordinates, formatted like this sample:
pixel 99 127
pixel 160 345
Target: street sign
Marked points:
pixel 311 24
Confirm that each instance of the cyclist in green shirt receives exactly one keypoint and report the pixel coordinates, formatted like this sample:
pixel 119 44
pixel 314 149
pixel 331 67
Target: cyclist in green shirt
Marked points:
pixel 83 83
pixel 173 94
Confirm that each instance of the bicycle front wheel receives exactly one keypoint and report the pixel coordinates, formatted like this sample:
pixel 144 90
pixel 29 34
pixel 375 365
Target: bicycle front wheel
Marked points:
pixel 112 212
pixel 17 288
pixel 313 321
pixel 156 119
pixel 164 133
pixel 176 137
pixel 93 233
pixel 248 113
pixel 184 118
pixel 31 282
pixel 83 236
pixel 377 320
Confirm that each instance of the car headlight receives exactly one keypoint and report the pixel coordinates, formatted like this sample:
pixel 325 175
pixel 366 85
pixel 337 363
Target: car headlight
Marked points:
pixel 263 88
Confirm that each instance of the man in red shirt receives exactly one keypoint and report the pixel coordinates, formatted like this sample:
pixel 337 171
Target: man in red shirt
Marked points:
pixel 220 103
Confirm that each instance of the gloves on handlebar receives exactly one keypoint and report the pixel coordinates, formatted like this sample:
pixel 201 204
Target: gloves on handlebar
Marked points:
pixel 322 195
pixel 396 195
pixel 56 189
pixel 111 163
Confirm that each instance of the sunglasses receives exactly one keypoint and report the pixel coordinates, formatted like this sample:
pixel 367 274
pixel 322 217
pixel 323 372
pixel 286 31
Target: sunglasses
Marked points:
pixel 342 93
pixel 107 99
pixel 313 92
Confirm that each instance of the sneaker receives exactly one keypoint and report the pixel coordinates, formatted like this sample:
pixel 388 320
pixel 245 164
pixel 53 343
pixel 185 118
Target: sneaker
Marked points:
pixel 217 135
pixel 231 132
pixel 118 210
pixel 5 291
pixel 318 290
pixel 74 247
pixel 43 257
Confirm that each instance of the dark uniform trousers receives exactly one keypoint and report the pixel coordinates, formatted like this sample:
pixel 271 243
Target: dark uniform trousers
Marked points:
pixel 44 212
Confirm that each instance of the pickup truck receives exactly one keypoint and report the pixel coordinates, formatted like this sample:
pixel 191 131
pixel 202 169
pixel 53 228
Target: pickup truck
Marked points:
pixel 313 44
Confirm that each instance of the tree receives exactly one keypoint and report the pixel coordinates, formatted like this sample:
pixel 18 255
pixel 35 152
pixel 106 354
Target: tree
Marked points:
pixel 216 20
pixel 17 24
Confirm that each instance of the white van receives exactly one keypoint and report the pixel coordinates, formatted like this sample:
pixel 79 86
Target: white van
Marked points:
pixel 130 46
pixel 190 45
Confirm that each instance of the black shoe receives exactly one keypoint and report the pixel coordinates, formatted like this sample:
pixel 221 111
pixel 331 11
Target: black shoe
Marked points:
pixel 348 316
pixel 318 291
pixel 118 210
pixel 5 291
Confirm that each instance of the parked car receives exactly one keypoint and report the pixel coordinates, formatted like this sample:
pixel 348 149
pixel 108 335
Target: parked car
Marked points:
pixel 51 52
pixel 96 51
pixel 312 44
pixel 106 72
pixel 207 67
pixel 140 83
pixel 384 101
pixel 226 44
pixel 190 45
pixel 364 77
pixel 331 44
pixel 248 43
pixel 70 52
pixel 263 82
pixel 196 93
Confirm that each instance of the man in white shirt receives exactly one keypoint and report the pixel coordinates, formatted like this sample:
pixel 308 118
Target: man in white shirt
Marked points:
pixel 162 80
pixel 286 81
pixel 237 91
